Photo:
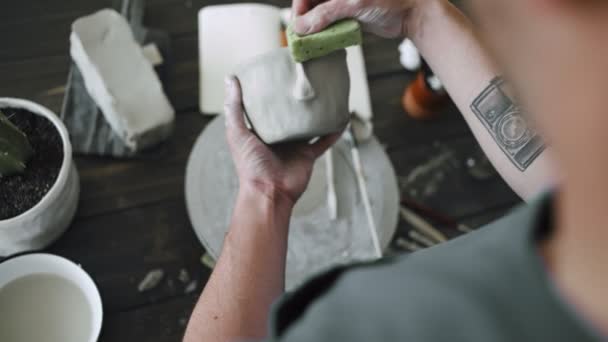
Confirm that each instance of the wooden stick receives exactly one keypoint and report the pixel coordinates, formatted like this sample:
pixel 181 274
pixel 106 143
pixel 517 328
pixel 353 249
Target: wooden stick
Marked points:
pixel 408 245
pixel 435 215
pixel 419 224
pixel 420 238
pixel 428 212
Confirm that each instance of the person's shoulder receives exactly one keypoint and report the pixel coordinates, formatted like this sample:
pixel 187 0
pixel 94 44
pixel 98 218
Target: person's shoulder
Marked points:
pixel 398 300
pixel 418 296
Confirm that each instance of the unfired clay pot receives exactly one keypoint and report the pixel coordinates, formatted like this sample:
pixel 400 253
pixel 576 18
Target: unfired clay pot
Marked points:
pixel 46 221
pixel 274 113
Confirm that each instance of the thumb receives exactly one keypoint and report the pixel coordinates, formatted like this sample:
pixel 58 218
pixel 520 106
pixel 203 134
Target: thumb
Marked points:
pixel 322 16
pixel 233 108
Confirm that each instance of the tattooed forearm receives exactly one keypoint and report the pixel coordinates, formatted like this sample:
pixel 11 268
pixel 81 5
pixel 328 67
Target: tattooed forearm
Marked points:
pixel 505 122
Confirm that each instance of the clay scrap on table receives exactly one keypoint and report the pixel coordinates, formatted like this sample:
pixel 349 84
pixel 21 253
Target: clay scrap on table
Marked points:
pixel 151 280
pixel 120 79
pixel 273 111
pixel 337 36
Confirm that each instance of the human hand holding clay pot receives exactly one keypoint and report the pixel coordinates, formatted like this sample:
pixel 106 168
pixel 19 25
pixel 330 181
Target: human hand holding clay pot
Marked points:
pixel 386 18
pixel 281 171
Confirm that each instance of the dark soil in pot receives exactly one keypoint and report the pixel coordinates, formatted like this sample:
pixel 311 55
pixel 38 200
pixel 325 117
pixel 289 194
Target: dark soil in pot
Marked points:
pixel 21 192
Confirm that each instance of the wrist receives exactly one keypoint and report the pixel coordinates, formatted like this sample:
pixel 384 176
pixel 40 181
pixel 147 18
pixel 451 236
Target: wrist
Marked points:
pixel 266 195
pixel 423 12
pixel 261 207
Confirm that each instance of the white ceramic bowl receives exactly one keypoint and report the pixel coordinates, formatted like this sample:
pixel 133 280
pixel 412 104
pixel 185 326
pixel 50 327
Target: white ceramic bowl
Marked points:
pixel 46 221
pixel 25 265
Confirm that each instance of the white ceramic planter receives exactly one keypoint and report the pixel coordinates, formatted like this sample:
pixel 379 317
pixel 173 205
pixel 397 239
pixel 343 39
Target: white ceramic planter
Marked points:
pixel 47 220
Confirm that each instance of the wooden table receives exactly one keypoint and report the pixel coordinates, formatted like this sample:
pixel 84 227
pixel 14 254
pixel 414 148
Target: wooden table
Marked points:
pixel 132 216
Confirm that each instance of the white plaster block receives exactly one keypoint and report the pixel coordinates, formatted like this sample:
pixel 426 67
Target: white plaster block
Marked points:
pixel 120 79
pixel 230 35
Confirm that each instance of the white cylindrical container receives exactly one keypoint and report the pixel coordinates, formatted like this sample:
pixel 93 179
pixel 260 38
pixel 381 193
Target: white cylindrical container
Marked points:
pixel 50 286
pixel 46 221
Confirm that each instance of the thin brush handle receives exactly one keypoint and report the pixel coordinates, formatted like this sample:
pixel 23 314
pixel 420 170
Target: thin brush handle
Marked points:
pixel 332 198
pixel 366 202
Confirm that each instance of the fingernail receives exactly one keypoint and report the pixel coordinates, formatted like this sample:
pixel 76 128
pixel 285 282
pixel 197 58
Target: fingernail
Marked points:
pixel 228 81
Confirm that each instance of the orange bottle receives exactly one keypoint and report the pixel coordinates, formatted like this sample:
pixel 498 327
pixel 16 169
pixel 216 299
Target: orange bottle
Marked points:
pixel 283 38
pixel 425 96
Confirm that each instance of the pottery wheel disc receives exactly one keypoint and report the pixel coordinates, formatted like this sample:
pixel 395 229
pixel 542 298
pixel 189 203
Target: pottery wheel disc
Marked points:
pixel 316 242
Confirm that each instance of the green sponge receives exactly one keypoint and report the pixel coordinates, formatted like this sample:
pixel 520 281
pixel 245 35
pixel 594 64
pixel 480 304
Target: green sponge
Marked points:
pixel 337 36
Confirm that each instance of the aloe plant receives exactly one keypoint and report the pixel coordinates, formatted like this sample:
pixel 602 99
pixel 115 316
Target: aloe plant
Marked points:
pixel 15 149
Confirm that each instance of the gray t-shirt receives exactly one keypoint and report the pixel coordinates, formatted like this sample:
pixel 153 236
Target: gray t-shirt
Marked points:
pixel 489 285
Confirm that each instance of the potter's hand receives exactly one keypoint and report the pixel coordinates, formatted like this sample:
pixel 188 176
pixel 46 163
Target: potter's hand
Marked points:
pixel 386 18
pixel 282 171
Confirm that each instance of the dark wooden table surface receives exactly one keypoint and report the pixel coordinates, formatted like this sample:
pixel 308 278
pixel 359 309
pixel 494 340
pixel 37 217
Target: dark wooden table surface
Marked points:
pixel 132 216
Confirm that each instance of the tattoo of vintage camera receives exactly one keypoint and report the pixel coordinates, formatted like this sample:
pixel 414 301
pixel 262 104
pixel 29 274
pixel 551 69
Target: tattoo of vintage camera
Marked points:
pixel 509 128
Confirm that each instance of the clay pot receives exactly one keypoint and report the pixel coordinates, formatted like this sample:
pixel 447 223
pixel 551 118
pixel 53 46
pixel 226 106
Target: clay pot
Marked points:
pixel 46 221
pixel 276 115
